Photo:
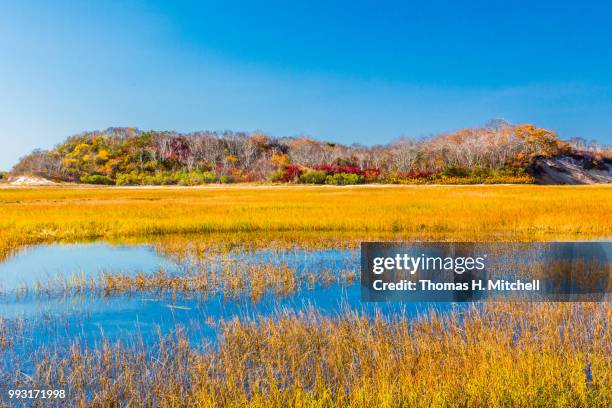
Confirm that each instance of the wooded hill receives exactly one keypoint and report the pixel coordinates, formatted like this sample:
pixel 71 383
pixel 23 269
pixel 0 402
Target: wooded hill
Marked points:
pixel 496 153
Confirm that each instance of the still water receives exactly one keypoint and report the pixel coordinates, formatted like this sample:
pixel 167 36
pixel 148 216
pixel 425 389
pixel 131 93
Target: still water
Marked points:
pixel 56 320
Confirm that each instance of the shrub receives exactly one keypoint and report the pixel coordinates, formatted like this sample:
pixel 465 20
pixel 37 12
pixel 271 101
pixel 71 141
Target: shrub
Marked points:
pixel 195 178
pixel 456 171
pixel 477 175
pixel 335 169
pixel 161 178
pixel 292 172
pixel 208 177
pixel 97 179
pixel 122 179
pixel 371 174
pixel 479 172
pixel 192 178
pixel 128 179
pixel 402 179
pixel 225 179
pixel 411 177
pixel 342 179
pixel 277 176
pixel 313 177
pixel 493 179
pixel 287 174
pixel 3 175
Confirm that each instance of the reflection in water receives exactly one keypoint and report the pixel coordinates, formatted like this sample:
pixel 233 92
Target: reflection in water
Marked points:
pixel 49 262
pixel 90 317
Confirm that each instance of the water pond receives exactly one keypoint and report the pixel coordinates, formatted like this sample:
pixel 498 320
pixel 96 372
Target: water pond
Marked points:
pixel 89 316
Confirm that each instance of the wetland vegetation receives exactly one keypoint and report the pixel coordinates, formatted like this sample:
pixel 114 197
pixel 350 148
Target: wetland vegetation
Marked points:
pixel 246 296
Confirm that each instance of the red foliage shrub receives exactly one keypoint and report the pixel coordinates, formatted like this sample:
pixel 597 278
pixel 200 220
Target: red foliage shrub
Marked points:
pixel 418 174
pixel 332 169
pixel 371 174
pixel 290 173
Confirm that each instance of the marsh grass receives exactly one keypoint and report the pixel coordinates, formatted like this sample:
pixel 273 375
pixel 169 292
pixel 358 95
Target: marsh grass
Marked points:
pixel 492 355
pixel 474 213
pixel 502 355
pixel 5 339
pixel 236 273
pixel 233 281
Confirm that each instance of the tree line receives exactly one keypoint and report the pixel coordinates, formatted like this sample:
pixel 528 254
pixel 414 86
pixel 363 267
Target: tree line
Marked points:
pixel 496 152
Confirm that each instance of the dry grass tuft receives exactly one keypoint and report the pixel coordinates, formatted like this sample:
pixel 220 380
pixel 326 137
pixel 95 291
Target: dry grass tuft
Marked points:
pixel 497 355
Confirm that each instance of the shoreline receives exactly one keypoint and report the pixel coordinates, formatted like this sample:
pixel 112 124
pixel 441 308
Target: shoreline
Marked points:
pixel 214 186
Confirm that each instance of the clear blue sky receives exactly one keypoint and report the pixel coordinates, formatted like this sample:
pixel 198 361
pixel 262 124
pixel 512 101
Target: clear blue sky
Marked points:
pixel 351 71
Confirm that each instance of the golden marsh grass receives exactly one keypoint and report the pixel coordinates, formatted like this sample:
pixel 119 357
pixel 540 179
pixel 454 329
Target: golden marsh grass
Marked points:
pixel 528 213
pixel 232 282
pixel 492 355
pixel 496 355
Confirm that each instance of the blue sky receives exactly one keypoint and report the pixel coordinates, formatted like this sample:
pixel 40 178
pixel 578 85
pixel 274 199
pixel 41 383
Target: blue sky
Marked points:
pixel 354 71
